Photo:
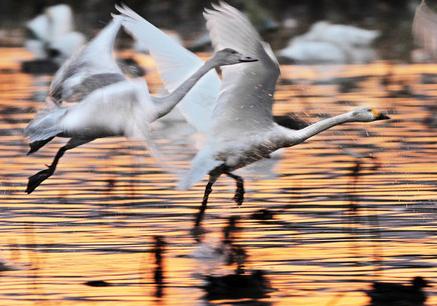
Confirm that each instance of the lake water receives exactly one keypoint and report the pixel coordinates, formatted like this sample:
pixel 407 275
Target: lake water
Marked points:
pixel 332 234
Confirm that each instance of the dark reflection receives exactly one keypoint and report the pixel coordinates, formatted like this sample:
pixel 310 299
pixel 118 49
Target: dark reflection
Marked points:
pixel 158 274
pixel 235 286
pixel 355 174
pixel 39 66
pixel 97 283
pixel 240 284
pixel 263 214
pixel 390 294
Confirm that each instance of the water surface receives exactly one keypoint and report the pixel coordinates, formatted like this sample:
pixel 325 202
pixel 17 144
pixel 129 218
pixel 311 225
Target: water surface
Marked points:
pixel 331 236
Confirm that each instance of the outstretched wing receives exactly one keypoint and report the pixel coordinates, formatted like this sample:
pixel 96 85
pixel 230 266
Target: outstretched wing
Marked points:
pixel 89 69
pixel 425 28
pixel 246 96
pixel 175 64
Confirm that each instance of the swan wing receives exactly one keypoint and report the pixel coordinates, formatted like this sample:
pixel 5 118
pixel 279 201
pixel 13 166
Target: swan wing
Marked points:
pixel 425 28
pixel 94 59
pixel 175 64
pixel 246 95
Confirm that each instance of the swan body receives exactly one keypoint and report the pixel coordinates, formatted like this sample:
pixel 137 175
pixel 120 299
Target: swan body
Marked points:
pixel 242 128
pixel 107 104
pixel 327 43
pixel 425 31
pixel 53 34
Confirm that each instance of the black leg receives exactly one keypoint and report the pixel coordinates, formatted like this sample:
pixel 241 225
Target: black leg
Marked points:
pixel 201 213
pixel 239 192
pixel 36 145
pixel 36 179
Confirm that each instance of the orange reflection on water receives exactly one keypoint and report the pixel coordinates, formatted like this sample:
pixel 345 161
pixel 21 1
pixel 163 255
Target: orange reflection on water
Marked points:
pixel 96 217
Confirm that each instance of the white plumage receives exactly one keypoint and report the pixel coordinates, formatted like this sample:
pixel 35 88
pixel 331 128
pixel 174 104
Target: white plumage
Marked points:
pixel 327 43
pixel 109 104
pixel 54 31
pixel 242 129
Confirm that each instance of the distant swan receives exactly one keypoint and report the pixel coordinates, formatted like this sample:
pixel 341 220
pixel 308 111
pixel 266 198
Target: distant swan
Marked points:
pixel 52 34
pixel 242 129
pixel 327 43
pixel 110 104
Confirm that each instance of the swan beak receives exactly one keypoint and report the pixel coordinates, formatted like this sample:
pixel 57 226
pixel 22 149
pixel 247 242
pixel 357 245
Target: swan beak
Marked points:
pixel 382 116
pixel 247 59
pixel 379 116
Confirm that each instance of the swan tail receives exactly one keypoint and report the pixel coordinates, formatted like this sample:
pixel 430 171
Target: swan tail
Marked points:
pixel 201 165
pixel 44 126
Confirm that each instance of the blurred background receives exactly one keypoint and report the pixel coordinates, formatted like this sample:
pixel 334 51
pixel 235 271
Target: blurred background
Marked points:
pixel 286 18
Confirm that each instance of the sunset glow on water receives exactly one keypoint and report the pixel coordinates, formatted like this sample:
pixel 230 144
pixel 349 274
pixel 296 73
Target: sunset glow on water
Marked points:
pixel 95 219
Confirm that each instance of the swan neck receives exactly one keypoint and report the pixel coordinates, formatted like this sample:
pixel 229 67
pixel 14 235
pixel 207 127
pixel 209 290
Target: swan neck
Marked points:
pixel 168 102
pixel 322 125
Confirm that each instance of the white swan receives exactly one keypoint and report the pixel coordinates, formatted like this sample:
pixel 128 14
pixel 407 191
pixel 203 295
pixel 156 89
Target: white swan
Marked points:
pixel 242 129
pixel 175 63
pixel 327 43
pixel 425 29
pixel 53 34
pixel 110 104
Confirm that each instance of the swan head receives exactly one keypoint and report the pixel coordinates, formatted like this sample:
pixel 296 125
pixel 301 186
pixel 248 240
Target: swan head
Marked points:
pixel 367 114
pixel 229 56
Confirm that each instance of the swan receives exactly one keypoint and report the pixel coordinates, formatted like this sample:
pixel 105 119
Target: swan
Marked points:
pixel 425 30
pixel 109 103
pixel 175 63
pixel 327 43
pixel 242 129
pixel 52 34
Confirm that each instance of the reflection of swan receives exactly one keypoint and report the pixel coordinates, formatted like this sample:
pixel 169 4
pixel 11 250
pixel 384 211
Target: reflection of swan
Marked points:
pixel 110 104
pixel 52 34
pixel 242 128
pixel 328 43
pixel 398 294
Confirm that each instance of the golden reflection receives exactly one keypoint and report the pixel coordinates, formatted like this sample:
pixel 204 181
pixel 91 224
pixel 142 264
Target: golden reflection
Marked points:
pixel 97 217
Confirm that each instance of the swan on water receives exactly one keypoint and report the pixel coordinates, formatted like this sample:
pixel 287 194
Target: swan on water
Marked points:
pixel 242 129
pixel 107 104
pixel 425 29
pixel 52 34
pixel 327 43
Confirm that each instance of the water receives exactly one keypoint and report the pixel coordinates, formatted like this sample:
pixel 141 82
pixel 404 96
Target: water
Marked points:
pixel 332 234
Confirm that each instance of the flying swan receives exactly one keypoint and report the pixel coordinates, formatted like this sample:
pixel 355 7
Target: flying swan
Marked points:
pixel 107 103
pixel 242 130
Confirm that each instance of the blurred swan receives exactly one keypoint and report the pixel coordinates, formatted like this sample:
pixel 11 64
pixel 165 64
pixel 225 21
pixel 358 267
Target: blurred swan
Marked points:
pixel 110 105
pixel 425 30
pixel 242 128
pixel 327 43
pixel 52 34
pixel 175 63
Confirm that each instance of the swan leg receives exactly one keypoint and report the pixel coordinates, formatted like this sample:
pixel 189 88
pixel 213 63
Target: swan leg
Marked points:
pixel 202 208
pixel 239 192
pixel 36 145
pixel 36 179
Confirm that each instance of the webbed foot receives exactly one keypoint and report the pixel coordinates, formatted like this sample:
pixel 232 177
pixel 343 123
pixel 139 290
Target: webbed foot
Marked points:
pixel 36 179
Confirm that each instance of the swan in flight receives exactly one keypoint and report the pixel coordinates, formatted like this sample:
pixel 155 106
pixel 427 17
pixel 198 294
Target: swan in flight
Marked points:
pixel 52 34
pixel 175 63
pixel 242 129
pixel 107 103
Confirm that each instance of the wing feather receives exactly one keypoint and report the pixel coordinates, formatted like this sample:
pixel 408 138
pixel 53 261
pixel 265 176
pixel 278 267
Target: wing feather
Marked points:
pixel 246 96
pixel 93 59
pixel 175 64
